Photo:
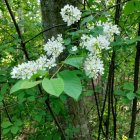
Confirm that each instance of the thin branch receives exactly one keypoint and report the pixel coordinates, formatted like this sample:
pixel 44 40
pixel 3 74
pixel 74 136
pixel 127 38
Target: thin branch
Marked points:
pixel 97 105
pixel 17 29
pixel 52 114
pixel 136 83
pixel 6 111
pixel 55 26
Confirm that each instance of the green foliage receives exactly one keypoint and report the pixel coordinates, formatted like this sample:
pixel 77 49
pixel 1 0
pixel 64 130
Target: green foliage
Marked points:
pixel 132 7
pixel 22 101
pixel 75 61
pixel 72 83
pixel 24 84
pixel 6 124
pixel 53 86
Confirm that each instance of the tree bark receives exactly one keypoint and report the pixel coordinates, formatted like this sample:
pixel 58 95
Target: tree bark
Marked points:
pixel 77 110
pixel 51 15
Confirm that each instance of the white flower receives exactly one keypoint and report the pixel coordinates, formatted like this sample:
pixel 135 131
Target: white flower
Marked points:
pixel 115 29
pixel 24 71
pixel 109 30
pixel 51 63
pixel 41 63
pixel 90 43
pixel 103 42
pixel 90 26
pixel 74 49
pixel 93 66
pixel 54 46
pixel 27 70
pixel 70 14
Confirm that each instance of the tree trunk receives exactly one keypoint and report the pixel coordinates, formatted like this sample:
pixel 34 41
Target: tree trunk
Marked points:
pixel 51 15
pixel 77 110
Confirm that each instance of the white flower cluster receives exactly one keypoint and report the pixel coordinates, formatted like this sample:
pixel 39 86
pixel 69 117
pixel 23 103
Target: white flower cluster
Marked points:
pixel 27 70
pixel 74 49
pixel 93 66
pixel 70 14
pixel 54 46
pixel 109 29
pixel 94 44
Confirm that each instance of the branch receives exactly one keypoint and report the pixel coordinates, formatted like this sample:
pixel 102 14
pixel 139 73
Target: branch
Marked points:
pixel 17 29
pixel 6 111
pixel 136 83
pixel 53 115
pixel 55 26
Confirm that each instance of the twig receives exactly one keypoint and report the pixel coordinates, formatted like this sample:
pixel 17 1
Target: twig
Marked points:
pixel 53 115
pixel 6 111
pixel 17 29
pixel 136 83
pixel 55 26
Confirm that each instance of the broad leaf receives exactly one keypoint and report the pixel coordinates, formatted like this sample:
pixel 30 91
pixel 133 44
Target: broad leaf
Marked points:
pixel 53 86
pixel 74 61
pixel 24 84
pixel 86 20
pixel 128 86
pixel 130 95
pixel 72 84
pixel 6 124
pixel 14 129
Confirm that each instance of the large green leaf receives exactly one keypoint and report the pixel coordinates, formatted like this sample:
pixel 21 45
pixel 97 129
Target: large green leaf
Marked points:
pixel 132 7
pixel 24 84
pixel 86 20
pixel 130 95
pixel 53 86
pixel 14 129
pixel 128 86
pixel 6 124
pixel 72 83
pixel 74 61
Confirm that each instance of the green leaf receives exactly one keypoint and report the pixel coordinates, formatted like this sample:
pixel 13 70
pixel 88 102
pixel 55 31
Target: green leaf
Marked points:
pixel 128 86
pixel 21 97
pixel 75 61
pixel 18 122
pixel 132 7
pixel 53 86
pixel 14 129
pixel 87 19
pixel 67 41
pixel 72 84
pixel 38 118
pixel 6 124
pixel 5 131
pixel 130 95
pixel 119 92
pixel 24 84
pixel 4 88
pixel 3 72
pixel 125 100
pixel 88 93
pixel 31 98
